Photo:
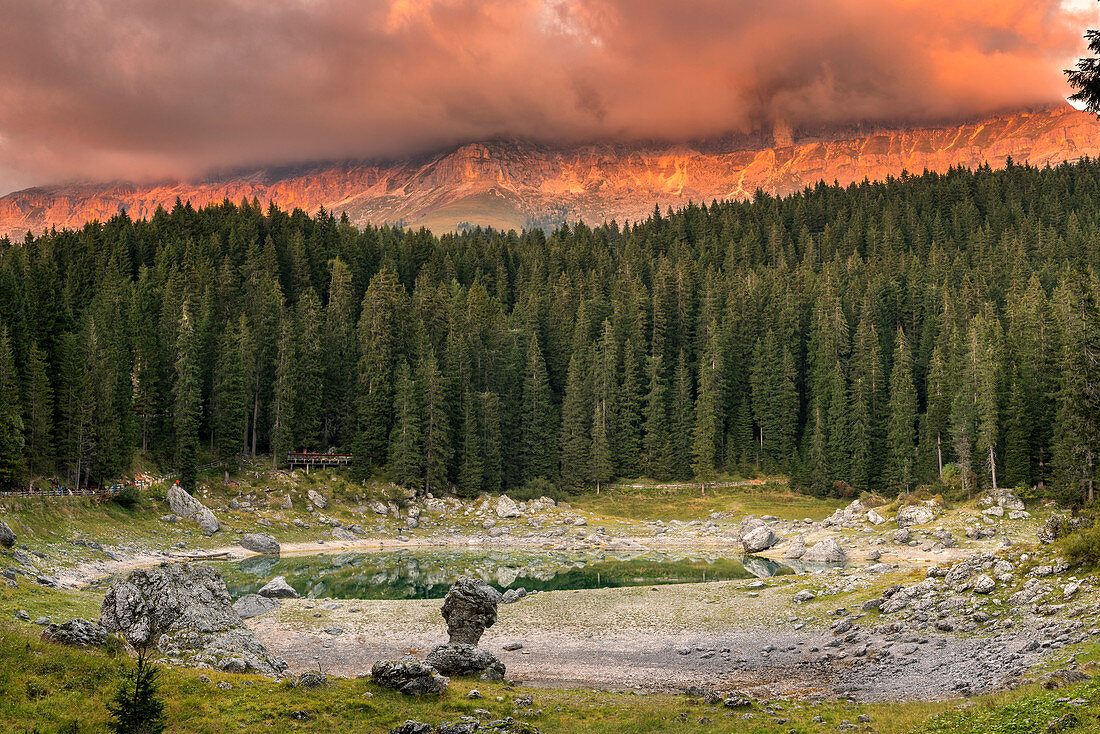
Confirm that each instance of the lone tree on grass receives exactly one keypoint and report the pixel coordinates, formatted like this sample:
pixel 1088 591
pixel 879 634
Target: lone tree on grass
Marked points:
pixel 136 707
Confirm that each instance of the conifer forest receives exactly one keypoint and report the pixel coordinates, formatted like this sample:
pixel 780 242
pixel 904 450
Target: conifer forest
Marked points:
pixel 882 336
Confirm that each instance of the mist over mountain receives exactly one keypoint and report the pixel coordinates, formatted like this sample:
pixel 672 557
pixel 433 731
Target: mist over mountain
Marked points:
pixel 515 183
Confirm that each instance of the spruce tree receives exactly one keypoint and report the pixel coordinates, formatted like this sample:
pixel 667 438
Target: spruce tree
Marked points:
pixel 185 418
pixel 575 439
pixel 437 438
pixel 406 460
pixel 12 463
pixel 708 421
pixel 902 409
pixel 39 412
pixel 538 435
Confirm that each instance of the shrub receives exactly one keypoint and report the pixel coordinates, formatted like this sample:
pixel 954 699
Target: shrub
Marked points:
pixel 538 487
pixel 1082 547
pixel 128 498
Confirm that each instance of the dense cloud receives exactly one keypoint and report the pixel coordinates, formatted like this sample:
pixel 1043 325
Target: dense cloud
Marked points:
pixel 146 88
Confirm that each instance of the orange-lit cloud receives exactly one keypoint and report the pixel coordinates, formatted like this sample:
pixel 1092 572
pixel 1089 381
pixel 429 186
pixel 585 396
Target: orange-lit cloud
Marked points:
pixel 145 88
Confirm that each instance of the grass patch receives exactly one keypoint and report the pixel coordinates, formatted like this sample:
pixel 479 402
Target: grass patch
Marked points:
pixel 689 503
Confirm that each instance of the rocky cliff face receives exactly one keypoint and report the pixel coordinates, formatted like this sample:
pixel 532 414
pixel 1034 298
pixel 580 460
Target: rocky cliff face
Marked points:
pixel 515 184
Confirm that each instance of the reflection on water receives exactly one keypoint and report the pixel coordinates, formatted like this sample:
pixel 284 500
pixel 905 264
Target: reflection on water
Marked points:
pixel 427 574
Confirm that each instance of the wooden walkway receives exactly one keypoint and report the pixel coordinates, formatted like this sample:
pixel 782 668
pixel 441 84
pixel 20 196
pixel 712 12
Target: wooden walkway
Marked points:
pixel 309 460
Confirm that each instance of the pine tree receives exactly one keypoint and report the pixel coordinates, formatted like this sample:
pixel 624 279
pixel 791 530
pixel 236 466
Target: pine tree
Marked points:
pixel 1077 437
pixel 285 392
pixel 605 413
pixel 1017 461
pixel 406 460
pixel 819 461
pixel 39 412
pixel 185 418
pixel 137 707
pixel 902 409
pixel 229 402
pixel 472 471
pixel 708 421
pixel 628 438
pixel 437 439
pixel 12 464
pixel 538 444
pixel 575 439
pixel 658 439
pixel 491 442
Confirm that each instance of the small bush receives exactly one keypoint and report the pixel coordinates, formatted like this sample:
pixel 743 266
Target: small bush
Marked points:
pixel 128 498
pixel 1082 548
pixel 538 487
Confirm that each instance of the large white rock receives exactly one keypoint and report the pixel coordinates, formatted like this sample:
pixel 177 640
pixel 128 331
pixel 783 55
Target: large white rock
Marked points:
pixel 317 499
pixel 797 547
pixel 874 518
pixel 915 515
pixel 827 551
pixel 759 539
pixel 506 507
pixel 184 505
pixel 260 543
pixel 278 588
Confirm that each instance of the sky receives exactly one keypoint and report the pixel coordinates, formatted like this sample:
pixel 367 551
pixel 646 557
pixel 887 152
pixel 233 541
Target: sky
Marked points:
pixel 154 89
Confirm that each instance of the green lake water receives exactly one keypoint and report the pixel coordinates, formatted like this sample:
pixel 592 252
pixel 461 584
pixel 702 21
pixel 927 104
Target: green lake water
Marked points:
pixel 427 574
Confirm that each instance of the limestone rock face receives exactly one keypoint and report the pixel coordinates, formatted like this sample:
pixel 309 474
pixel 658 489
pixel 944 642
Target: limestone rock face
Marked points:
pixel 409 676
pixel 827 551
pixel 915 515
pixel 186 506
pixel 465 660
pixel 260 543
pixel 7 537
pixel 278 588
pixel 759 539
pixel 76 633
pixel 185 611
pixel 469 608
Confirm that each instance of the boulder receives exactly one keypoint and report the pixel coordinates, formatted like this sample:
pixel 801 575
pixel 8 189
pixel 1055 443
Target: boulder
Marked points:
pixel 827 551
pixel 759 539
pixel 902 536
pixel 278 588
pixel 317 499
pixel 983 584
pixel 253 605
pixel 797 547
pixel 748 525
pixel 507 507
pixel 465 660
pixel 804 596
pixel 469 608
pixel 409 676
pixel 185 506
pixel 260 543
pixel 915 515
pixel 76 633
pixel 339 533
pixel 513 595
pixel 185 611
pixel 7 537
pixel 874 518
pixel 1005 499
pixel 994 511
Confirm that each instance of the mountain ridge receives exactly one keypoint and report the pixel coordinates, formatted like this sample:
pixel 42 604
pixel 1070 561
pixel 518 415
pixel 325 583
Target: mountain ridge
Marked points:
pixel 512 183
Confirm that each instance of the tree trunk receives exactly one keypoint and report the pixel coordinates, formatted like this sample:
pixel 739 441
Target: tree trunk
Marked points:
pixel 255 420
pixel 993 468
pixel 939 452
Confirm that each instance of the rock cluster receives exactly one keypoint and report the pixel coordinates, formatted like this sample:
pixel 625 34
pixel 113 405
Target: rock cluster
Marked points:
pixel 185 611
pixel 185 506
pixel 915 515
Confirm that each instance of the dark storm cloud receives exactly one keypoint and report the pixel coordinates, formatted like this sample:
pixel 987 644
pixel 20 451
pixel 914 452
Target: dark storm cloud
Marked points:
pixel 138 88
